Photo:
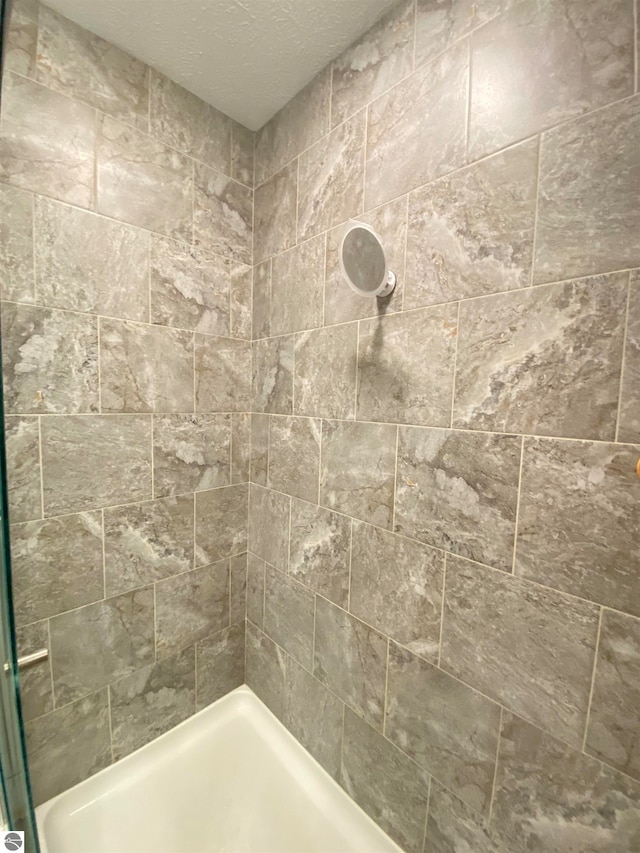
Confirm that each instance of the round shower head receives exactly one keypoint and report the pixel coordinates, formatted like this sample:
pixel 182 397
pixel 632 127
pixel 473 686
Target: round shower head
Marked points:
pixel 363 261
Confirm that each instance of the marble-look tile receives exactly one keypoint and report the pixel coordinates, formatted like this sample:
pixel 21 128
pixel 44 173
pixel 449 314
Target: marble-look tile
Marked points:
pixel 272 380
pixel 88 263
pixel 326 372
pixel 190 289
pixel 297 288
pixel 351 659
pixel 145 368
pixel 222 214
pixel 255 589
pixel 629 416
pixel 223 381
pixel 219 664
pixel 240 447
pixel 191 607
pixel 149 702
pixel 191 453
pixel 458 491
pixel 56 565
pixel 275 213
pixel 406 146
pixel 47 142
pixel 545 361
pixel 442 724
pixel 313 715
pixel 396 383
pixel 259 448
pixel 90 461
pixel 221 523
pixel 265 669
pixel 21 38
pixel 182 120
pixel 454 827
pixel 237 588
pixel 94 645
pixel 300 123
pixel 22 437
pixel 294 456
pixel 331 178
pixel 397 586
pixel 551 798
pixel 441 22
pixel 319 550
pixel 269 526
pixel 357 470
pixel 614 727
pixel 36 686
pixel 68 745
pixel 289 616
pixel 242 148
pixel 16 245
pixel 549 60
pixel 49 360
pixel 391 789
pixel 471 233
pixel 241 290
pixel 578 520
pixel 543 673
pixel 77 63
pixel 261 303
pixel 146 542
pixel 588 212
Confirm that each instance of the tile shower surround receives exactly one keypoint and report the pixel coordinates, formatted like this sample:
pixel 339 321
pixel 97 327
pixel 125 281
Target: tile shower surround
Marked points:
pixel 442 575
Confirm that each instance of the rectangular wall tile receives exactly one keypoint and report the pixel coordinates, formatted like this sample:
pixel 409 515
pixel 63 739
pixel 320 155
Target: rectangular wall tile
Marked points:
pixel 276 213
pixel 16 245
pixel 222 374
pixel 297 288
pixel 269 526
pixel 629 417
pixel 294 456
pixel 36 686
pixel 21 38
pixel 289 616
pixel 439 23
pixel 255 589
pixel 265 670
pixel 452 825
pixel 242 150
pixel 261 302
pixel 220 664
pixel 22 436
pixel 326 372
pixel 238 588
pixel 259 448
pixel 319 551
pixel 240 300
pixel 240 447
pixel 221 523
pixel 272 381
pixel 191 453
pixel 222 214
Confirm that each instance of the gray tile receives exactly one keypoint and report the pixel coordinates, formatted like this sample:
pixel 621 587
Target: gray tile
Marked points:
pixel 551 798
pixel 50 361
pixel 222 214
pixel 319 550
pixel 265 670
pixel 454 827
pixel 441 22
pixel 145 368
pixel 149 702
pixel 549 61
pixel 544 361
pixel 313 715
pixel 275 213
pixel 240 301
pixel 385 783
pixel 88 263
pixel 77 63
pixel 484 644
pixel 407 147
pixel 259 448
pixel 191 453
pixel 221 523
pixel 255 589
pixel 90 461
pixel 289 616
pixel 294 456
pixel 116 639
pixel 261 304
pixel 147 542
pixel 395 381
pixel 191 607
pixel 297 288
pixel 16 245
pixel 588 213
pixel 458 492
pixel 351 659
pixel 21 38
pixel 47 142
pixel 471 233
pixel 22 437
pixel 240 447
pixel 220 664
pixel 272 385
pixel 374 63
pixel 442 724
pixel 56 565
pixel 238 588
pixel 577 528
pixel 397 586
pixel 614 728
pixel 629 417
pixel 269 526
pixel 223 368
pixel 242 147
pixel 36 686
pixel 357 470
pixel 180 119
pixel 326 371
pixel 331 178
pixel 68 745
pixel 142 181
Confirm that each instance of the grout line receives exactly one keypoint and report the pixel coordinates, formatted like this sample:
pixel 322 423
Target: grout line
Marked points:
pixel 535 215
pixel 593 681
pixel 426 816
pixel 313 636
pixel 104 556
pixel 357 373
pixel 517 518
pixel 444 592
pixel 467 113
pixel 495 769
pixel 386 690
pixel 41 465
pixel 195 548
pixel 415 37
pixel 455 367
pixel 53 691
pixel 153 482
pixel 110 723
pixel 623 360
pixel 395 482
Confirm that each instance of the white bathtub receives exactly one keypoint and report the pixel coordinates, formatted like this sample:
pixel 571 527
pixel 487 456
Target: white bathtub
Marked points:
pixel 231 778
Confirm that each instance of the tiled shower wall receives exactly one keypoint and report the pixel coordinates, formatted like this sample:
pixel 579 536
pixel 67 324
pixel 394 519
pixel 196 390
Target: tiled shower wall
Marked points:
pixel 444 565
pixel 125 254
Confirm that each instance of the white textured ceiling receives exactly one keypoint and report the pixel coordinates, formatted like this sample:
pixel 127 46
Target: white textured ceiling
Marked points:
pixel 246 57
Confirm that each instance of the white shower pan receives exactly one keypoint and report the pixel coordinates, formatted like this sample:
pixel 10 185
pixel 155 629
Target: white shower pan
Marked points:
pixel 231 778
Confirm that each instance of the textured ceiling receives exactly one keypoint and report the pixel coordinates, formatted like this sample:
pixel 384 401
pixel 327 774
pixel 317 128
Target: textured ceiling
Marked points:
pixel 246 57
